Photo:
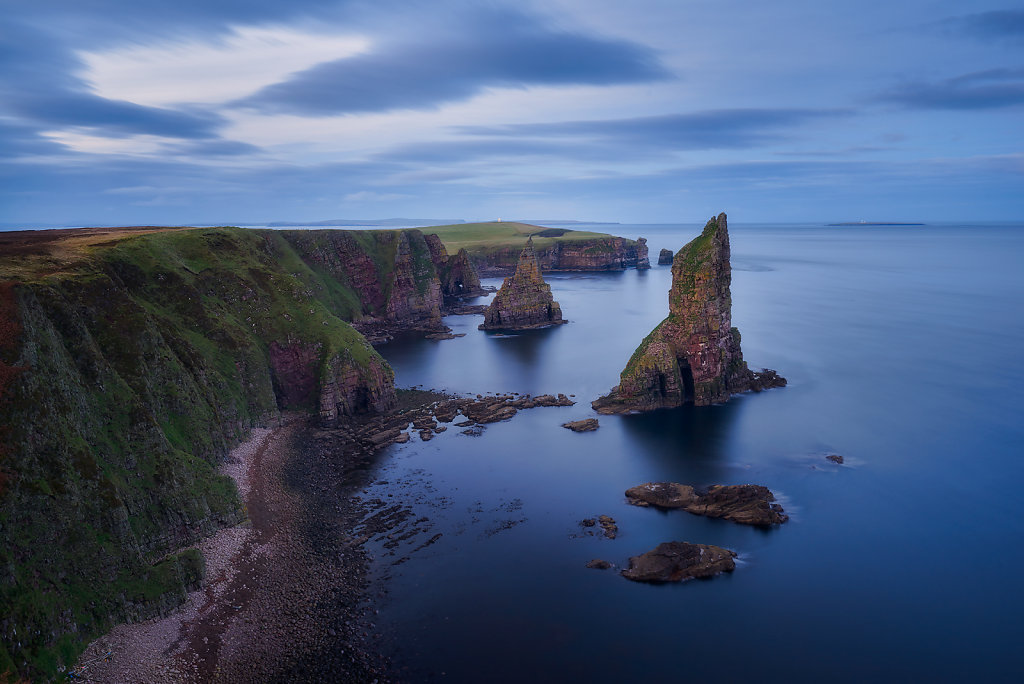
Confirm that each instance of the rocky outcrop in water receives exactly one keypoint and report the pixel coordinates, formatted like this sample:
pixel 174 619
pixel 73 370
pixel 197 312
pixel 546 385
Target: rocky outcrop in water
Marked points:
pixel 596 254
pixel 680 561
pixel 693 356
pixel 524 300
pixel 457 275
pixel 745 504
pixel 665 257
pixel 585 425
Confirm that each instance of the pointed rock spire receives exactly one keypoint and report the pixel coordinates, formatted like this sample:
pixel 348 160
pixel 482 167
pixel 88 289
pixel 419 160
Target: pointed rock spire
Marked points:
pixel 694 356
pixel 524 300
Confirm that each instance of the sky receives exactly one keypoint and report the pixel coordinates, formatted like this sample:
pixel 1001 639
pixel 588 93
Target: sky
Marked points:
pixel 653 111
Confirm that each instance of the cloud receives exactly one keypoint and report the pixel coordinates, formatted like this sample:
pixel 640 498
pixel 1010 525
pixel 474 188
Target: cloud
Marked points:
pixel 704 130
pixel 999 24
pixel 493 49
pixel 114 118
pixel 988 89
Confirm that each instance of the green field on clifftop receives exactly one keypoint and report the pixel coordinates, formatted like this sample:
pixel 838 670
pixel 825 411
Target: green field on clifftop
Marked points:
pixel 494 235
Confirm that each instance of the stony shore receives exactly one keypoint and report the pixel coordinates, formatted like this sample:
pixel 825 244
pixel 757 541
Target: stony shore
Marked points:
pixel 275 605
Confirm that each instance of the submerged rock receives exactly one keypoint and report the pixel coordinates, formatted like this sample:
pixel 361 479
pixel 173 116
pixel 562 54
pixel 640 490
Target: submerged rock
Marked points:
pixel 745 504
pixel 524 300
pixel 835 458
pixel 679 561
pixel 585 425
pixel 693 356
pixel 665 257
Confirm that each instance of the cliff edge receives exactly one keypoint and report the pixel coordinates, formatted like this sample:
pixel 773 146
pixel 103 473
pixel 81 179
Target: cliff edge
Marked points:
pixel 693 356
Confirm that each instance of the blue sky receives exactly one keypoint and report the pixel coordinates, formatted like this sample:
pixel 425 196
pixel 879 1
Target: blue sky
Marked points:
pixel 246 111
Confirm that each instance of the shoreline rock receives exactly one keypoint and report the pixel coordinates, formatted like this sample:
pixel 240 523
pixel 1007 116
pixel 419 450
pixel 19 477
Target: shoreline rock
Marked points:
pixel 693 356
pixel 665 257
pixel 680 561
pixel 524 300
pixel 743 504
pixel 585 425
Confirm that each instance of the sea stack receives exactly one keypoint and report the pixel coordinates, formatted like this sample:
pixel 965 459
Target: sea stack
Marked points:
pixel 665 257
pixel 693 356
pixel 524 300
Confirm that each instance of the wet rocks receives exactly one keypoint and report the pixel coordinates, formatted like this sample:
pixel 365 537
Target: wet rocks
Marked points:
pixel 744 504
pixel 598 564
pixel 679 561
pixel 693 356
pixel 835 458
pixel 585 425
pixel 524 300
pixel 665 257
pixel 607 523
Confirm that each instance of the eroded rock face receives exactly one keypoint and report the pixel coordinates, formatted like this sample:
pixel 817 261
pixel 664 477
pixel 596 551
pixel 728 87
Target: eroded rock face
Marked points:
pixel 745 504
pixel 524 300
pixel 665 257
pixel 693 356
pixel 598 254
pixel 679 561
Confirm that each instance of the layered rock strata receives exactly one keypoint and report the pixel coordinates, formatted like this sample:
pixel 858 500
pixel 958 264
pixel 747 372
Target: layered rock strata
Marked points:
pixel 597 254
pixel 744 504
pixel 693 356
pixel 665 257
pixel 679 561
pixel 524 300
pixel 457 274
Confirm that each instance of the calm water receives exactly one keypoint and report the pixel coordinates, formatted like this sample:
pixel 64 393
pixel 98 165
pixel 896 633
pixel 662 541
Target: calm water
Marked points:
pixel 902 348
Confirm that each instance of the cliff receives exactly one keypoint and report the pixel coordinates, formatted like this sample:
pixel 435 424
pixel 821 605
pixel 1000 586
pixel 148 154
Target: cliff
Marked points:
pixel 693 356
pixel 665 257
pixel 596 254
pixel 494 247
pixel 130 362
pixel 524 300
pixel 457 274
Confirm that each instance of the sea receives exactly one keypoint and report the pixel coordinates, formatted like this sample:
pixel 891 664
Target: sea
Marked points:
pixel 903 350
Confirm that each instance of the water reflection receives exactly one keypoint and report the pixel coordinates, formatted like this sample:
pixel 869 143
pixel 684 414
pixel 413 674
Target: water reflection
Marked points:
pixel 691 442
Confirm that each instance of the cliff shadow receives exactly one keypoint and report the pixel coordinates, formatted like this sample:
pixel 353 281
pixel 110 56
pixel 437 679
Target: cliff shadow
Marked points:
pixel 689 442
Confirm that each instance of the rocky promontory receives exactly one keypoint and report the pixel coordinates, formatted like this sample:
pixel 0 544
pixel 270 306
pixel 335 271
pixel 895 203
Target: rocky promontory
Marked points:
pixel 693 356
pixel 524 300
pixel 745 504
pixel 678 561
pixel 665 257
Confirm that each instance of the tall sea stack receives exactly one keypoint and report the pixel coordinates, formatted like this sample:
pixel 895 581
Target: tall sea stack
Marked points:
pixel 524 300
pixel 693 356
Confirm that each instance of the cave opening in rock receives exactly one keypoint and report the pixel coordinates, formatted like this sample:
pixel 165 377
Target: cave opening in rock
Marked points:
pixel 458 287
pixel 687 374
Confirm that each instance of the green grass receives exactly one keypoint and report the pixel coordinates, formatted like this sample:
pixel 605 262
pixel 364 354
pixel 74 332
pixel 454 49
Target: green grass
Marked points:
pixel 494 235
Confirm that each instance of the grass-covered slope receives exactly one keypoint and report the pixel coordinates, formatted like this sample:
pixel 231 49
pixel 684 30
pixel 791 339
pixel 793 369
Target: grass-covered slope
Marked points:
pixel 479 238
pixel 129 364
pixel 495 247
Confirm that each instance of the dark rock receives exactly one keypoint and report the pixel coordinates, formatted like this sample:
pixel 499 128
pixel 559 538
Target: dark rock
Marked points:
pixel 745 504
pixel 524 300
pixel 585 425
pixel 679 561
pixel 598 564
pixel 588 522
pixel 693 356
pixel 665 257
pixel 835 458
pixel 611 530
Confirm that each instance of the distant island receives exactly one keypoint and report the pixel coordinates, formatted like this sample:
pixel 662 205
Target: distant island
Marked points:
pixel 874 223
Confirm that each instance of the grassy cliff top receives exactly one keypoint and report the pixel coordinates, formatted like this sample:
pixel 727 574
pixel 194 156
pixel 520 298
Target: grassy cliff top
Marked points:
pixel 493 235
pixel 32 254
